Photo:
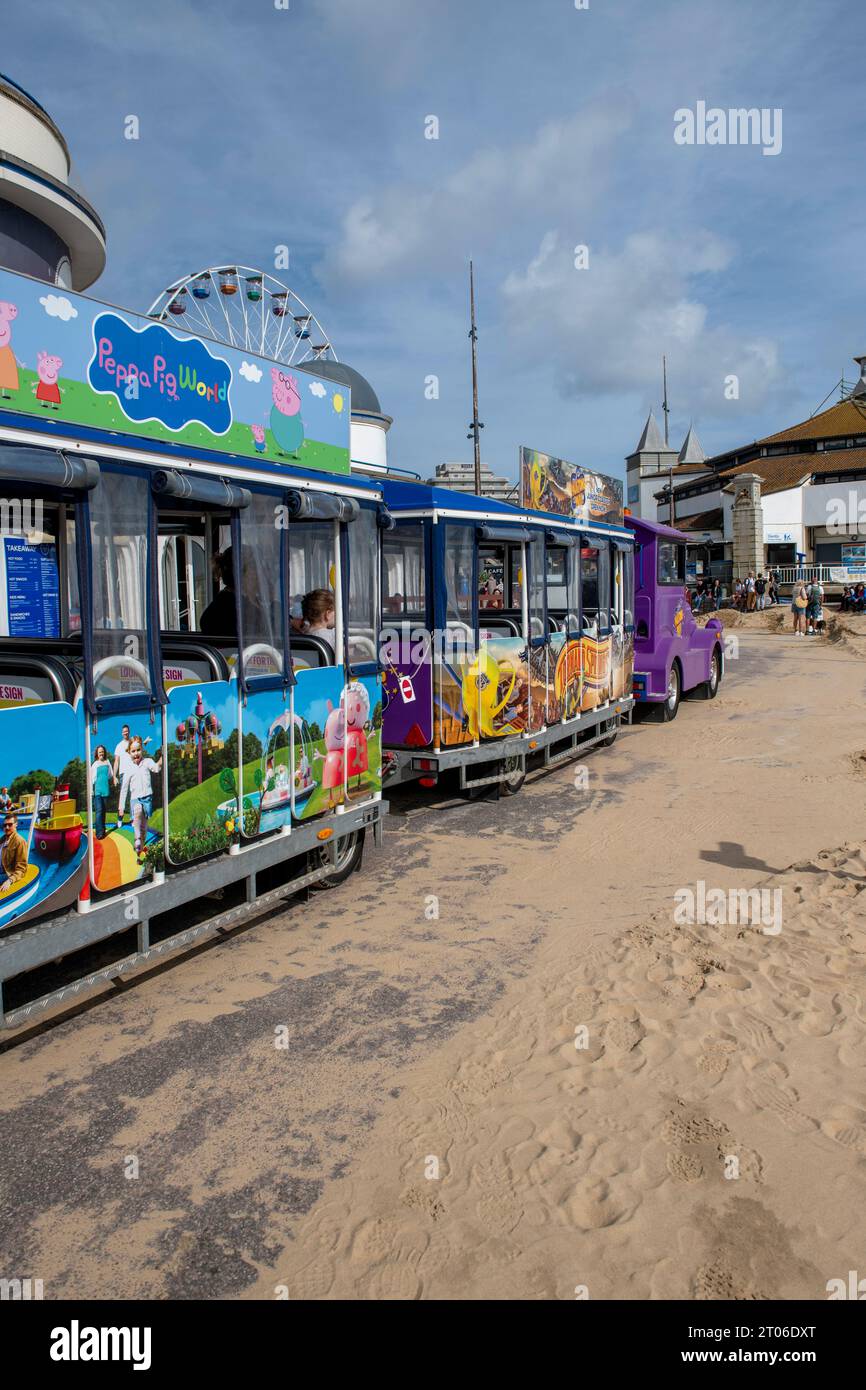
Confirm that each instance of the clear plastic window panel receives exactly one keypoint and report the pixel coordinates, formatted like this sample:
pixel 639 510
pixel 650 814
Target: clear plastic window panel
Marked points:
pixel 628 569
pixel 557 585
pixel 459 550
pixel 535 549
pixel 363 596
pixel 589 583
pixel 403 573
pixel 118 511
pixel 261 586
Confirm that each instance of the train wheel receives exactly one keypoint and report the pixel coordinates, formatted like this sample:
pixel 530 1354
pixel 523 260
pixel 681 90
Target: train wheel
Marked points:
pixel 349 852
pixel 611 738
pixel 672 699
pixel 710 688
pixel 514 778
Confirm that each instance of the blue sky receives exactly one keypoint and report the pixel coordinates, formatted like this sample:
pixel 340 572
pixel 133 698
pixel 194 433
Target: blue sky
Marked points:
pixel 306 127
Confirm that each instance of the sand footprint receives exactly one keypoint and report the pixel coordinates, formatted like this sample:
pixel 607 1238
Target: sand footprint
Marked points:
pixel 846 1127
pixel 782 1103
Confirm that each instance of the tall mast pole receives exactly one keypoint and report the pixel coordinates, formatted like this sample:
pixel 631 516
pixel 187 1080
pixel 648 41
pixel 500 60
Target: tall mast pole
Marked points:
pixel 665 406
pixel 475 426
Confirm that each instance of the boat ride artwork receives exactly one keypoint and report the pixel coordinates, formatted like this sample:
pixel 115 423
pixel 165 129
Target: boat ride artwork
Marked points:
pixel 43 788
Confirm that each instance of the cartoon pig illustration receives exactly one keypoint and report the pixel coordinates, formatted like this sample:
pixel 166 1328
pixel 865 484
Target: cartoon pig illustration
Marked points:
pixel 356 703
pixel 8 364
pixel 47 369
pixel 335 742
pixel 287 426
pixel 258 433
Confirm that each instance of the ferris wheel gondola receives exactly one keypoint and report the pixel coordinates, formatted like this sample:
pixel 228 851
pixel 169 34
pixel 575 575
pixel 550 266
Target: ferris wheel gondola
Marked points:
pixel 245 308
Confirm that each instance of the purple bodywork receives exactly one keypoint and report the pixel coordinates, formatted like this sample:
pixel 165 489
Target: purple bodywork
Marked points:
pixel 671 653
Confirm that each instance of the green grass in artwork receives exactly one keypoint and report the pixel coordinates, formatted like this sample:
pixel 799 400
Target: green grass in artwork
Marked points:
pixel 80 405
pixel 194 812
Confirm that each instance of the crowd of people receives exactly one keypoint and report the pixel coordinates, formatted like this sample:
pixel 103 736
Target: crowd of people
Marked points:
pixel 755 592
pixel 853 599
pixel 764 590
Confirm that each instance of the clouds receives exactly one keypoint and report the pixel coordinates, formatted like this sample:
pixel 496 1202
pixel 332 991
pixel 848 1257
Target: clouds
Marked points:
pixel 317 389
pixel 250 371
pixel 57 306
pixel 421 227
pixel 604 328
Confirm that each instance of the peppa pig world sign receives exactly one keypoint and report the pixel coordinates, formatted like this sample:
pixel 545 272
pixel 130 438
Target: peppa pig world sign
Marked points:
pixel 81 368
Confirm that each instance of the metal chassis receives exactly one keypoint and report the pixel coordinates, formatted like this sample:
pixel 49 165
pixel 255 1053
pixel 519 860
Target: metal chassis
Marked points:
pixel 51 940
pixel 544 743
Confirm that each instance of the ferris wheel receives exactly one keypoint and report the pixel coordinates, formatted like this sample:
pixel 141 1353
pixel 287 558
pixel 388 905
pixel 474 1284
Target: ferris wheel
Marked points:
pixel 247 309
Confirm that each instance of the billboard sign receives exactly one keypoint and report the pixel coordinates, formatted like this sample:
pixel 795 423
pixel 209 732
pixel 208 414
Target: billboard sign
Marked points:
pixel 565 489
pixel 67 361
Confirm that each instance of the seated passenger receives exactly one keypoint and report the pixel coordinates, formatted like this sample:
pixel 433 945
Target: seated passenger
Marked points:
pixel 319 608
pixel 219 619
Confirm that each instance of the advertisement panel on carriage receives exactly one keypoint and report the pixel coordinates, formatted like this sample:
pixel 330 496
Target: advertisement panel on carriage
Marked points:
pixel 78 366
pixel 553 485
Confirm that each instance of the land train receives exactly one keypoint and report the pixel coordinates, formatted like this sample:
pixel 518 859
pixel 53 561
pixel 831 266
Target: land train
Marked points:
pixel 180 746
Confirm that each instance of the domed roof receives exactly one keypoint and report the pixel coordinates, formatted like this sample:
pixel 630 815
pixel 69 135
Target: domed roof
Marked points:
pixel 364 398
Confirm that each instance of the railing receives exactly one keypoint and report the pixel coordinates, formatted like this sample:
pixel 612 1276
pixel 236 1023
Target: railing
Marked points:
pixel 824 574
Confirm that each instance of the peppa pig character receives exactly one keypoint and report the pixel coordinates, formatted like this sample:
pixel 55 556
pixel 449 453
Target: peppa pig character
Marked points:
pixel 335 742
pixel 8 364
pixel 258 433
pixel 287 426
pixel 47 369
pixel 356 702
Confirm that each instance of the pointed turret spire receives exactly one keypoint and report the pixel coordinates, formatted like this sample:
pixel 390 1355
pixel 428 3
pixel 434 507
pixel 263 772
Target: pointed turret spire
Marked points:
pixel 651 439
pixel 692 450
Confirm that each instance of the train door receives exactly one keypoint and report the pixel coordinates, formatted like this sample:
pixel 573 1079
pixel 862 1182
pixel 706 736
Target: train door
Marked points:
pixel 498 680
pixel 622 619
pixel 593 625
pixel 407 637
pixel 317 730
pixel 195 526
pixel 563 618
pixel 264 669
pixel 455 608
pixel 123 686
pixel 43 770
pixel 362 703
pixel 538 652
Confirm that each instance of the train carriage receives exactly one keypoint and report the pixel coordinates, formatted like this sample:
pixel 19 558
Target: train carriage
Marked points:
pixel 174 749
pixel 507 634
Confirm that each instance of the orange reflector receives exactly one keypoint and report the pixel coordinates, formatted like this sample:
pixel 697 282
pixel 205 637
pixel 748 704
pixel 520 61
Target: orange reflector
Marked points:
pixel 324 834
pixel 533 743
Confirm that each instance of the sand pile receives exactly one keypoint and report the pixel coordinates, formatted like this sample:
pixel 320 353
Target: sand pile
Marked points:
pixel 698 1143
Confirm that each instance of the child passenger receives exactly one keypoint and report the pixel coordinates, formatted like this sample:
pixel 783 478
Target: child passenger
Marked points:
pixel 140 790
pixel 320 614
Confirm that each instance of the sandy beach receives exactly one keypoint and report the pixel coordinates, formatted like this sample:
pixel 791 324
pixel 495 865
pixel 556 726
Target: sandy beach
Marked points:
pixel 496 1065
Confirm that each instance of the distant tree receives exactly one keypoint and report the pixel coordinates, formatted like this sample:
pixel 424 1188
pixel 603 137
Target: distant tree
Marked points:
pixel 29 781
pixel 74 775
pixel 377 715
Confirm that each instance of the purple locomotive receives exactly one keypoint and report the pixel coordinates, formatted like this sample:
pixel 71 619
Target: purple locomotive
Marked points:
pixel 672 654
